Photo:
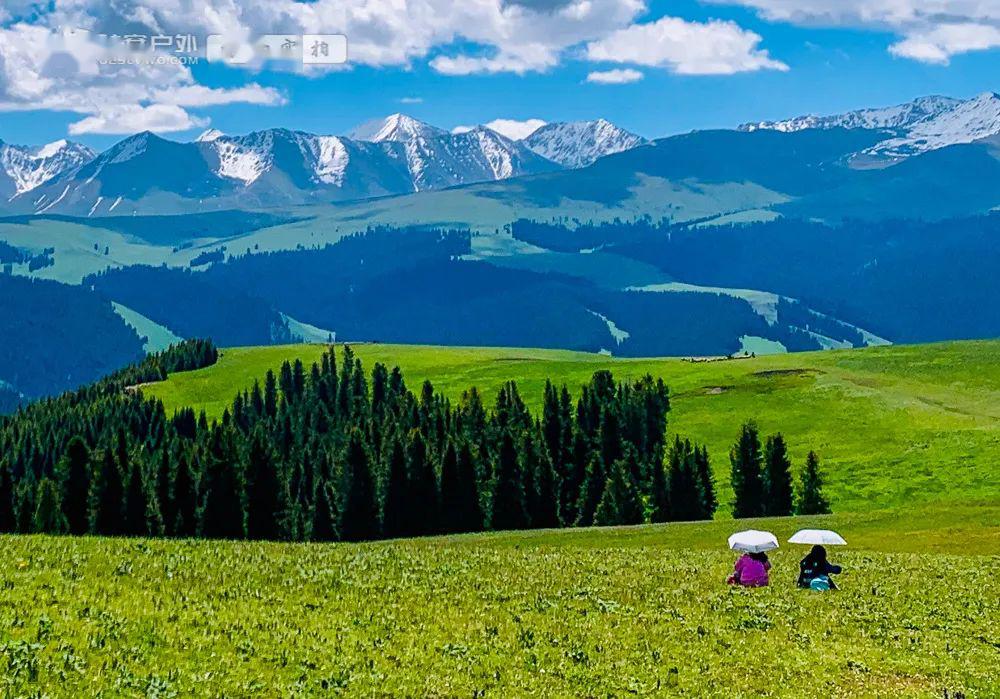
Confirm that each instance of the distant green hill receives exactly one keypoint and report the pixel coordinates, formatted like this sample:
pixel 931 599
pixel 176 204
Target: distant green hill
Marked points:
pixel 894 426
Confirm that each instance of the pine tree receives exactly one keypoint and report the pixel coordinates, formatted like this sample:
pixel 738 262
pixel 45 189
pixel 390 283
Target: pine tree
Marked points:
pixel 509 507
pixel 324 517
pixel 546 513
pixel 107 498
pixel 424 497
pixel 163 497
pixel 591 491
pixel 747 479
pixel 359 514
pixel 74 473
pixel 185 520
pixel 659 494
pixel 270 395
pixel 706 481
pixel 685 494
pixel 470 506
pixel 8 520
pixel 264 488
pixel 24 503
pixel 621 502
pixel 778 496
pixel 222 512
pixel 811 498
pixel 395 515
pixel 451 497
pixel 49 518
pixel 135 521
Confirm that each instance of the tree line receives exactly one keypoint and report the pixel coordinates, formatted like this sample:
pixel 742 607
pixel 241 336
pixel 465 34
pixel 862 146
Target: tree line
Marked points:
pixel 337 453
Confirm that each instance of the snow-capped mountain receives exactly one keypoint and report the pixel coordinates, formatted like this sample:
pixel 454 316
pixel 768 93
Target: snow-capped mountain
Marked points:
pixel 897 117
pixel 396 127
pixel 23 168
pixel 579 143
pixel 965 122
pixel 925 124
pixel 208 135
pixel 276 167
pixel 436 158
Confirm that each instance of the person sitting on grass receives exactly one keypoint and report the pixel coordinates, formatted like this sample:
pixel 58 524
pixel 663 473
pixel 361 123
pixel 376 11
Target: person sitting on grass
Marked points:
pixel 751 571
pixel 815 570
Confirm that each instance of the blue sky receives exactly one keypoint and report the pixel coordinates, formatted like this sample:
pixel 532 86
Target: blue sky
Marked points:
pixel 795 65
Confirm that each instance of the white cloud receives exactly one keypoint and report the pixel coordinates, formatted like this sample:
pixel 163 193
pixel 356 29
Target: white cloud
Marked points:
pixel 40 69
pixel 411 100
pixel 618 76
pixel 688 48
pixel 462 129
pixel 941 43
pixel 159 118
pixel 931 31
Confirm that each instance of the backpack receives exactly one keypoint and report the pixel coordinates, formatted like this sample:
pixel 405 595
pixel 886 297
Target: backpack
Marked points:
pixel 820 583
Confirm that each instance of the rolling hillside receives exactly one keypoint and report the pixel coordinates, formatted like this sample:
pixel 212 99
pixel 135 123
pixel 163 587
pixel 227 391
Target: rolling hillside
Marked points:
pixel 895 426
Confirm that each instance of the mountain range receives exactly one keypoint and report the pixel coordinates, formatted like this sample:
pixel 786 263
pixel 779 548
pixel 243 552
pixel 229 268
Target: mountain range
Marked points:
pixel 145 174
pixel 925 124
pixel 279 167
pixel 870 226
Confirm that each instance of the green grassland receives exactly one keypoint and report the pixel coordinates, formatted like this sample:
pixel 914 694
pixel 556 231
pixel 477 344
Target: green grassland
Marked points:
pixel 610 612
pixel 910 440
pixel 895 426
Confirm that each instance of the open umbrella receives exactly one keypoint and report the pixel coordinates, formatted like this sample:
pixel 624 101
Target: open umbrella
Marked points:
pixel 753 541
pixel 817 536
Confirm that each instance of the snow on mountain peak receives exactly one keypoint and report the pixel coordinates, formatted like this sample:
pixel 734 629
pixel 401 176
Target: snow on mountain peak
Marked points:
pixel 395 127
pixel 209 135
pixel 28 167
pixel 925 124
pixel 576 144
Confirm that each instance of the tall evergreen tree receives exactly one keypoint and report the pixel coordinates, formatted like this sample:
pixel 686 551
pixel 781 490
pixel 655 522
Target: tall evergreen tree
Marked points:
pixel 185 519
pixel 222 512
pixel 778 496
pixel 359 514
pixel 470 506
pixel 107 497
pixel 264 488
pixel 395 516
pixel 811 498
pixel 135 521
pixel 270 395
pixel 591 491
pixel 8 520
pixel 659 494
pixel 509 509
pixel 685 494
pixel 706 482
pixel 747 479
pixel 451 495
pixel 324 526
pixel 620 503
pixel 74 473
pixel 545 514
pixel 49 518
pixel 424 496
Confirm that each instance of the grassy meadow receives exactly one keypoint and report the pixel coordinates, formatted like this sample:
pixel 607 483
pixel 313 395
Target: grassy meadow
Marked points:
pixel 894 426
pixel 610 612
pixel 910 440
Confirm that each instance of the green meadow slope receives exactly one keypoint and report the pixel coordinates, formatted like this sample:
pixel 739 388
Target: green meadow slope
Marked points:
pixel 609 612
pixel 895 426
pixel 909 436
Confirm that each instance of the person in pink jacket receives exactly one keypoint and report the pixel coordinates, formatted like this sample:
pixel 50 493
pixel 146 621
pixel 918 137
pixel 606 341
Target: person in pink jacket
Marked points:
pixel 751 570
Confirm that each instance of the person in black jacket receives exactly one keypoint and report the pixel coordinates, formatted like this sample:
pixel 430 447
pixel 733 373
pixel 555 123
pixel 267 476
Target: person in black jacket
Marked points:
pixel 814 566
